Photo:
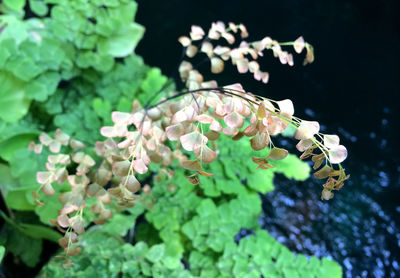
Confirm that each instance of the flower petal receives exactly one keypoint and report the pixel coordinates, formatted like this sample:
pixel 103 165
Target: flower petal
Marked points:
pixel 337 154
pixel 331 141
pixel 306 130
pixel 277 154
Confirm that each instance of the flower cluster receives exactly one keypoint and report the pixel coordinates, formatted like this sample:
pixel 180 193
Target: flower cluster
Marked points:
pixel 183 127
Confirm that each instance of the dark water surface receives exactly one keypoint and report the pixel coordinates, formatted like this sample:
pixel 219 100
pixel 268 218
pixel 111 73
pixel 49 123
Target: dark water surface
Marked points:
pixel 352 89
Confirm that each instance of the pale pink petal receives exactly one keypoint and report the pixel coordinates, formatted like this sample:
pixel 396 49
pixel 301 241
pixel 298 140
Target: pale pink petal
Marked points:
pixel 243 31
pixel 88 160
pixel 185 41
pixel 120 117
pixel 267 41
pixel 55 146
pixel 139 166
pixel 44 177
pixel 218 26
pixel 331 141
pixel 205 119
pixel 184 69
pixel 191 51
pixel 217 65
pixel 76 145
pixel 259 142
pixel 326 194
pixel 48 189
pixel 191 140
pixel 154 114
pixel 233 27
pixel 61 137
pixel 213 34
pixel 174 132
pixel 228 37
pixel 63 221
pixel 207 48
pixel 234 120
pixel 337 154
pixel 204 154
pixel 216 126
pixel 254 67
pixel 242 65
pixel 45 139
pixel 78 224
pixel 283 57
pixel 286 107
pixel 276 125
pixel 289 59
pixel 230 131
pixel 78 157
pixel 107 131
pixel 196 33
pixel 298 44
pixel 223 51
pixel 304 144
pixel 306 130
pixel 237 87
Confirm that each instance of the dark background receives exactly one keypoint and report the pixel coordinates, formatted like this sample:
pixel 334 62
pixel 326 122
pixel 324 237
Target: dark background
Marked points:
pixel 352 89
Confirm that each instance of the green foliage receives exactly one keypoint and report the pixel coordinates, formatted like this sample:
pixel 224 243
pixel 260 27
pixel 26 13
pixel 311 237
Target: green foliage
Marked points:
pixel 114 257
pixel 247 259
pixel 61 71
pixel 2 251
pixel 25 240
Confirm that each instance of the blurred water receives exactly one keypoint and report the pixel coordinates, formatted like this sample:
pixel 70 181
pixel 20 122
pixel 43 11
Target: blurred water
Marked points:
pixel 359 228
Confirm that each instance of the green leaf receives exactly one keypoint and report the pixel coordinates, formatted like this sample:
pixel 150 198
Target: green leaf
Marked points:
pixel 38 7
pixel 261 180
pixel 7 181
pixel 17 199
pixel 2 251
pixel 24 164
pixel 40 232
pixel 331 269
pixel 155 253
pixel 293 168
pixel 22 246
pixel 119 224
pixel 24 68
pixel 13 102
pixel 124 105
pixel 43 86
pixel 103 110
pixel 153 82
pixel 14 143
pixel 15 5
pixel 123 42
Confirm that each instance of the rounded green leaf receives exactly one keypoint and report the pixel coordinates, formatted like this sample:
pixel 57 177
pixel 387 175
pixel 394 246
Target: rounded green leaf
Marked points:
pixel 155 253
pixel 10 145
pixel 15 5
pixel 38 7
pixel 123 42
pixel 13 102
